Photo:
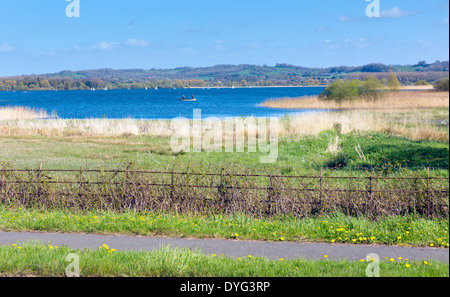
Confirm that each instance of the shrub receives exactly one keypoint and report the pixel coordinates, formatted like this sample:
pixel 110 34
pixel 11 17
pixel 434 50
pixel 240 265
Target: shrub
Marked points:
pixel 342 90
pixel 422 82
pixel 370 88
pixel 441 85
pixel 393 83
pixel 351 90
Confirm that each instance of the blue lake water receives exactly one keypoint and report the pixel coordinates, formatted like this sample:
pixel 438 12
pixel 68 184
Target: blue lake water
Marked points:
pixel 156 104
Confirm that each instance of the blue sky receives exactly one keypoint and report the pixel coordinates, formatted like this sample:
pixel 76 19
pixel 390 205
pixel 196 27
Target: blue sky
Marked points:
pixel 37 37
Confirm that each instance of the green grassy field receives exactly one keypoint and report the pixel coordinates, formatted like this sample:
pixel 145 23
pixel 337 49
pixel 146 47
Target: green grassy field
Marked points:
pixel 296 155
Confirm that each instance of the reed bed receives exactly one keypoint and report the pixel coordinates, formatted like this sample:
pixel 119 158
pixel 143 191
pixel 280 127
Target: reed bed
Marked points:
pixel 415 125
pixel 22 113
pixel 392 101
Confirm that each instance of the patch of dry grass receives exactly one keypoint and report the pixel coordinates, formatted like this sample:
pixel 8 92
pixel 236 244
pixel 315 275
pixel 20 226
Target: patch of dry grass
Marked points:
pixel 392 101
pixel 21 113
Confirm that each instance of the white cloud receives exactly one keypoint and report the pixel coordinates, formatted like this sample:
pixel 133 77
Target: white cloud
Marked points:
pixel 6 48
pixel 137 42
pixel 344 18
pixel 322 29
pixel 396 13
pixel 104 46
pixel 220 44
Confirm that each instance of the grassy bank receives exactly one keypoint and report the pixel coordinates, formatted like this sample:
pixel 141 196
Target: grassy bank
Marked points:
pixel 334 228
pixel 37 260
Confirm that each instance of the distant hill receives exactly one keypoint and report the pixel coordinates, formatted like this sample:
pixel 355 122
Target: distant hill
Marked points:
pixel 221 75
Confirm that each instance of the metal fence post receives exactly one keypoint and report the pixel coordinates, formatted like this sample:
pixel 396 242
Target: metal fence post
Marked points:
pixel 39 180
pixel 428 192
pixel 81 182
pixel 269 202
pixel 2 182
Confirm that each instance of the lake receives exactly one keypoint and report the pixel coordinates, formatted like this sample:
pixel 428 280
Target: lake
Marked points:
pixel 156 104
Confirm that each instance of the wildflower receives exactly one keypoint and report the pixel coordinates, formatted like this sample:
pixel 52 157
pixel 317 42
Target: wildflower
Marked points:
pixel 425 262
pixel 432 245
pixel 250 256
pixel 333 241
pixel 213 255
pixel 282 238
pixel 407 265
pixel 281 259
pixel 400 258
pixel 325 256
pixel 362 260
pixel 391 259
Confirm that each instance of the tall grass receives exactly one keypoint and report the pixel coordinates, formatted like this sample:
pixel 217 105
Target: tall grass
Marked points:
pixel 415 125
pixel 22 113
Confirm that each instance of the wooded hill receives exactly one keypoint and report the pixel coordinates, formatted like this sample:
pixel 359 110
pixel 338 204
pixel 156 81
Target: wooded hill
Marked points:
pixel 221 75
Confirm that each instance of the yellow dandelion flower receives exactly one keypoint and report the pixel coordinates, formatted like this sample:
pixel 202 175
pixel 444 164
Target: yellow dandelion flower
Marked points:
pixel 391 259
pixel 325 256
pixel 407 265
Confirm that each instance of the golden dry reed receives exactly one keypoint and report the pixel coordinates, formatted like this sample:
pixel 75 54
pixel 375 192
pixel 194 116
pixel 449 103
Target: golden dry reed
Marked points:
pixel 392 101
pixel 21 113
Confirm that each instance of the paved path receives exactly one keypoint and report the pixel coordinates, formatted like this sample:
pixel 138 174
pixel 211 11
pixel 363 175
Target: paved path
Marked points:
pixel 231 248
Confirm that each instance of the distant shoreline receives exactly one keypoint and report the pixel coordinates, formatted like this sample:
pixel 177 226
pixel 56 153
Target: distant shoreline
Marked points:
pixel 187 88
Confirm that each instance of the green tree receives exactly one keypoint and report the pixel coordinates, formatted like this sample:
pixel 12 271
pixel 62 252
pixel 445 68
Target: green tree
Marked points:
pixel 371 88
pixel 442 84
pixel 393 83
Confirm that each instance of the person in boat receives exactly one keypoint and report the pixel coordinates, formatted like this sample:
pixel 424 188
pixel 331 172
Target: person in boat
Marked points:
pixel 184 97
pixel 193 97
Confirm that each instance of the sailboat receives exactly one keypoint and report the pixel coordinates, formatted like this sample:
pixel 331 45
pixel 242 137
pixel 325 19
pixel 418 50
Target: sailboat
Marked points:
pixel 232 87
pixel 156 88
pixel 105 89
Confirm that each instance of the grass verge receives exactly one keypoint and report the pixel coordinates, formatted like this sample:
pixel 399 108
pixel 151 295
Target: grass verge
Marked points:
pixel 335 228
pixel 31 259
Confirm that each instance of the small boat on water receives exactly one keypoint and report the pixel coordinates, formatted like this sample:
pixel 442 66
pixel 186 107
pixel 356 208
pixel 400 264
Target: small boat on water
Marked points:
pixel 187 99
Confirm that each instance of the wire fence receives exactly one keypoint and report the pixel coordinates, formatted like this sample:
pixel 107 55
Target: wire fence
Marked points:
pixel 226 192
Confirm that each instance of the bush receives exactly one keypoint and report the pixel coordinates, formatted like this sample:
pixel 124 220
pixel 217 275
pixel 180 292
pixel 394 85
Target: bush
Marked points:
pixel 441 85
pixel 370 88
pixel 342 90
pixel 422 82
pixel 349 90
